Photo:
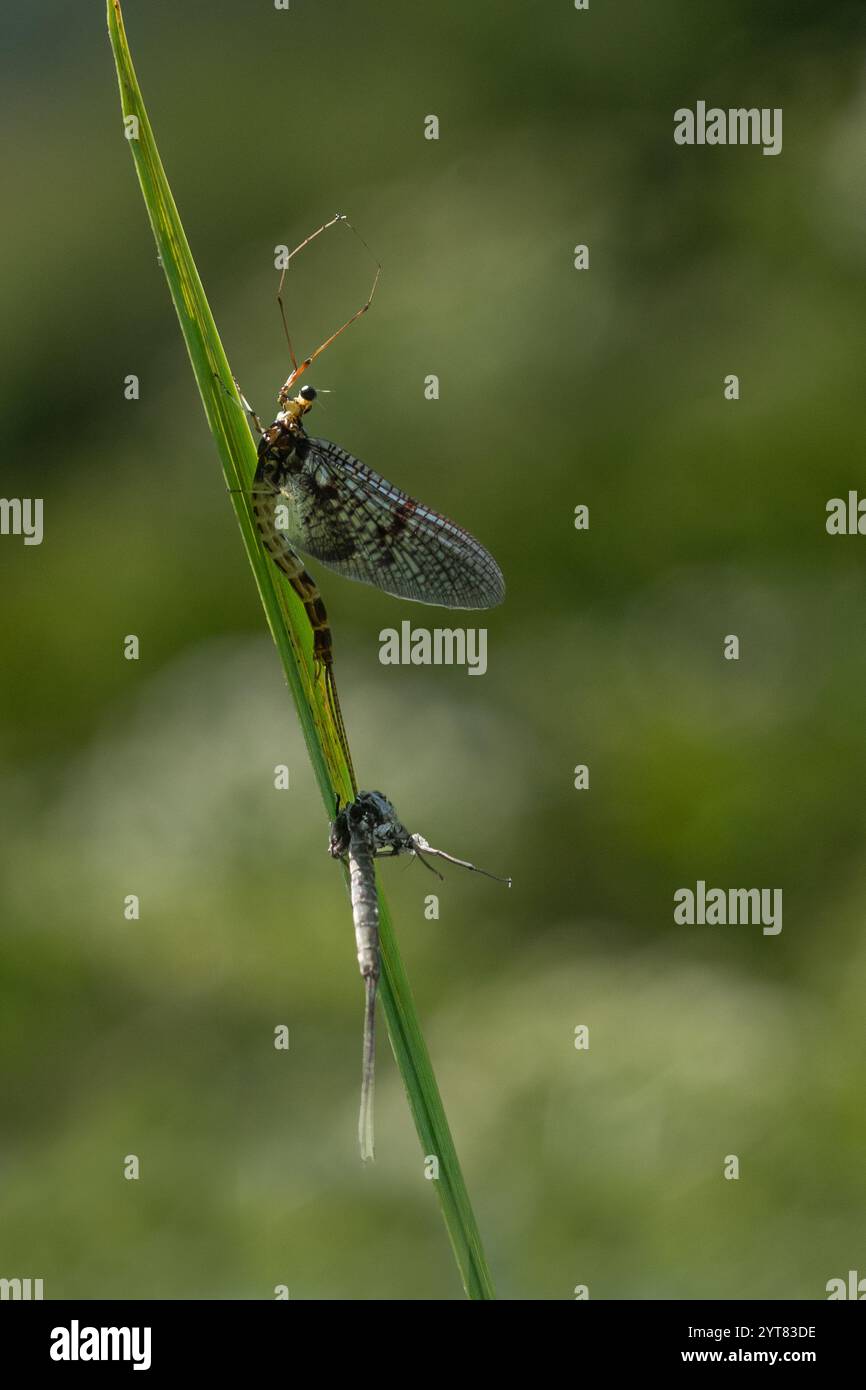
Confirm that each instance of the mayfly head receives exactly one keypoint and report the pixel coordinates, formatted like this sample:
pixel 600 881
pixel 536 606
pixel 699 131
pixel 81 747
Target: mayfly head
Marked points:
pixel 293 408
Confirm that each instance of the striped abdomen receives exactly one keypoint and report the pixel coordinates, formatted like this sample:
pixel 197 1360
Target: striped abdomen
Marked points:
pixel 277 458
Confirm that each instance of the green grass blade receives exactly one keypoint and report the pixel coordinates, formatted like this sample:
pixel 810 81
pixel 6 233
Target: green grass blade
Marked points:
pixel 292 635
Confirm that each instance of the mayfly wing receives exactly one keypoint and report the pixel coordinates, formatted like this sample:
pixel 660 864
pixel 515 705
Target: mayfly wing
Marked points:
pixel 363 527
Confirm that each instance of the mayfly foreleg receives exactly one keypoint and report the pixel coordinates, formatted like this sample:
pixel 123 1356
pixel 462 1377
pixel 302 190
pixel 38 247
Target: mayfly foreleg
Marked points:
pixel 419 844
pixel 426 862
pixel 299 368
pixel 339 217
pixel 308 361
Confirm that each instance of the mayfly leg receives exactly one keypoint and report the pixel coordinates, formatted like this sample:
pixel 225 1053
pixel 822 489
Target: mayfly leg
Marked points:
pixel 324 227
pixel 299 368
pixel 254 419
pixel 420 847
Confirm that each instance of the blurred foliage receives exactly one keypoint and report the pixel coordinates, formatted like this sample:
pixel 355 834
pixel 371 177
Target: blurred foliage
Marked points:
pixel 558 387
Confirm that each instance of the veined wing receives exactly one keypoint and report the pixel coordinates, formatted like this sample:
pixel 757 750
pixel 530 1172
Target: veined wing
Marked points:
pixel 363 527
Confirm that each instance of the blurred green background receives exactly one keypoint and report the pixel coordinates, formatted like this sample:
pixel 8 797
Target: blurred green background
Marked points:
pixel 557 387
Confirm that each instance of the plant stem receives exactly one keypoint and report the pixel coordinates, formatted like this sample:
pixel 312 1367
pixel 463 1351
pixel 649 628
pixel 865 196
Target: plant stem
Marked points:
pixel 291 634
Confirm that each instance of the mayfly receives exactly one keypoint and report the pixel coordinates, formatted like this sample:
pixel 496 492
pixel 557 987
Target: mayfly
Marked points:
pixel 311 496
pixel 367 827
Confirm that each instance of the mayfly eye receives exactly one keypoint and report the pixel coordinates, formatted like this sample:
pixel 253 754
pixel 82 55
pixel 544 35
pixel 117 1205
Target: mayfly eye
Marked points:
pixel 308 393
